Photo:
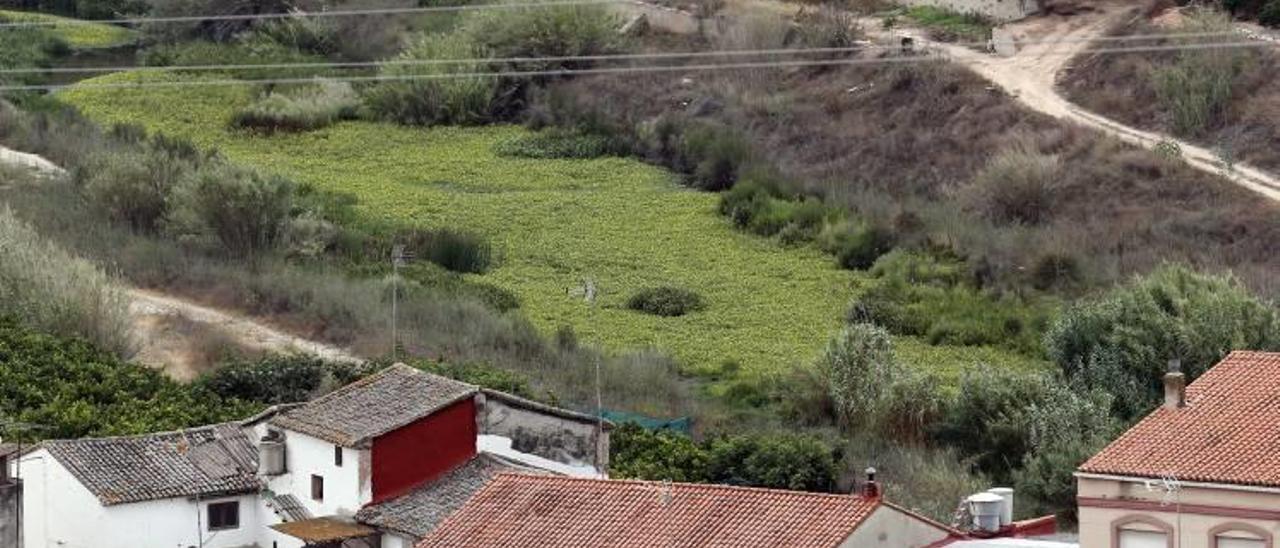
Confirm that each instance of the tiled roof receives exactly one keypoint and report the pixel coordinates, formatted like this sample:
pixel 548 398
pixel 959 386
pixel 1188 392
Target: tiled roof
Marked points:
pixel 289 508
pixel 206 461
pixel 353 415
pixel 325 530
pixel 421 510
pixel 1228 432
pixel 517 510
pixel 517 401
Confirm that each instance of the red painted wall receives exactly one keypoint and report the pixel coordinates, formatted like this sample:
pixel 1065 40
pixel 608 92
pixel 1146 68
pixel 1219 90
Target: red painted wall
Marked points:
pixel 424 450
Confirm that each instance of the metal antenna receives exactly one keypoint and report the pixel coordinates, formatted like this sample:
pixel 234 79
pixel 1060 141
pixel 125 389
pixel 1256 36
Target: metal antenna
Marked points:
pixel 588 291
pixel 399 256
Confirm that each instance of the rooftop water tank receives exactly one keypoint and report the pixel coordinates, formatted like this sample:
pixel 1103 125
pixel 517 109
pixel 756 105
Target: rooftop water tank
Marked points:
pixel 1006 508
pixel 986 509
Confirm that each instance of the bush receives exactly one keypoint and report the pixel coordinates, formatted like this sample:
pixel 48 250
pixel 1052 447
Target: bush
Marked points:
pixel 452 249
pixel 1126 337
pixel 635 452
pixel 1270 14
pixel 1018 186
pixel 988 419
pixel 47 288
pixel 246 211
pixel 311 108
pixel 555 31
pixel 857 246
pixel 712 156
pixel 859 368
pixel 666 301
pixel 273 380
pixel 1068 425
pixel 136 187
pixel 560 143
pixel 1197 89
pixel 420 92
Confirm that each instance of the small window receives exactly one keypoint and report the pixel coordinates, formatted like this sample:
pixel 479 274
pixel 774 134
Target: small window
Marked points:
pixel 1134 538
pixel 1231 540
pixel 224 515
pixel 337 456
pixel 317 487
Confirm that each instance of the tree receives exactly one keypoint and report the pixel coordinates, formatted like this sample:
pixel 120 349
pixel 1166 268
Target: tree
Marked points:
pixel 859 368
pixel 1123 341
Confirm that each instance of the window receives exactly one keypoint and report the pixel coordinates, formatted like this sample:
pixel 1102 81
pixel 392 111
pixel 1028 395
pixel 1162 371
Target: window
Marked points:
pixel 1133 538
pixel 337 456
pixel 317 487
pixel 1230 540
pixel 224 515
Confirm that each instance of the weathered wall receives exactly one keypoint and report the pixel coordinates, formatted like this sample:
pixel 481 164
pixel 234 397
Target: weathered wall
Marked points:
pixel 999 10
pixel 10 513
pixel 562 439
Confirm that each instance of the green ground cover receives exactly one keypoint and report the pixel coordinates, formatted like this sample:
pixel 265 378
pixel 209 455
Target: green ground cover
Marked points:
pixel 951 25
pixel 553 223
pixel 77 35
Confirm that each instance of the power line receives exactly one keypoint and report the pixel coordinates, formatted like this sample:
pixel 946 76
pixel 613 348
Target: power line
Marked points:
pixel 592 71
pixel 599 57
pixel 300 14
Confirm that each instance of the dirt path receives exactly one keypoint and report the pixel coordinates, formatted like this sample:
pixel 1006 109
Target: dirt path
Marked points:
pixel 1031 73
pixel 176 335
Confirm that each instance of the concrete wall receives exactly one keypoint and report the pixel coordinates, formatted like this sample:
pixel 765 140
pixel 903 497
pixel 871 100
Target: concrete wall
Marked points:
pixel 10 513
pixel 1192 517
pixel 565 440
pixel 888 527
pixel 999 10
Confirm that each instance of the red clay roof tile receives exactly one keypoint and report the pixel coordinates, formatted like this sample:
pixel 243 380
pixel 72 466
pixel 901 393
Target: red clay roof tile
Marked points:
pixel 517 510
pixel 1228 432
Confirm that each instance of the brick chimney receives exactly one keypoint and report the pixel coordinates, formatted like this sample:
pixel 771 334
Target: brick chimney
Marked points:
pixel 871 489
pixel 1175 386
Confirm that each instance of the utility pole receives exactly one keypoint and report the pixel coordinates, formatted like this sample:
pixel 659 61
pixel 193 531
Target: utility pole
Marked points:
pixel 399 256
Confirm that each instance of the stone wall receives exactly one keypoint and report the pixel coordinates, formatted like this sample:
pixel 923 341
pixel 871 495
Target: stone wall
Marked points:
pixel 10 513
pixel 998 10
pixel 542 431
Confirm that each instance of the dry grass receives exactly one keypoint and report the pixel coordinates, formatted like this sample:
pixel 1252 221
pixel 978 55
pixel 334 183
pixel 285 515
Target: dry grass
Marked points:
pixel 1123 87
pixel 889 142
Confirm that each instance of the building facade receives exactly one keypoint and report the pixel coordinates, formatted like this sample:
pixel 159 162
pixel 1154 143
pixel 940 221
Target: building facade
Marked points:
pixel 1201 471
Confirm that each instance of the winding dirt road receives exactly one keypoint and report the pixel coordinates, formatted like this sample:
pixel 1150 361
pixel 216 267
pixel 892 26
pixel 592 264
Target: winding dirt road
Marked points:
pixel 162 324
pixel 1030 75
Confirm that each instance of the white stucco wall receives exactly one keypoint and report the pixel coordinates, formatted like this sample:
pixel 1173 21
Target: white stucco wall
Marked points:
pixel 888 527
pixel 346 488
pixel 62 513
pixel 391 540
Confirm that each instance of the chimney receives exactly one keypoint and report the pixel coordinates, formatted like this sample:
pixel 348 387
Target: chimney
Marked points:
pixel 871 489
pixel 1175 386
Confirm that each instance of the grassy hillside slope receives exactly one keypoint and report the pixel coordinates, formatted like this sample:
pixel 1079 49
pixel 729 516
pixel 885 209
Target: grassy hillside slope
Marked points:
pixel 78 35
pixel 621 223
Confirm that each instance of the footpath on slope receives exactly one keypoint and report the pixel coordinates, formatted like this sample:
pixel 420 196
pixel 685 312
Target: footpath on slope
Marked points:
pixel 163 323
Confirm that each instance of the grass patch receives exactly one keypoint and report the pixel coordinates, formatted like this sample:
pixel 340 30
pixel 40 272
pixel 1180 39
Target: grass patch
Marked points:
pixel 76 34
pixel 951 26
pixel 618 222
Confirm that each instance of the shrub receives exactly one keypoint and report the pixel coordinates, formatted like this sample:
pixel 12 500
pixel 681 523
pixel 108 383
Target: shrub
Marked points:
pixel 247 212
pixel 136 187
pixel 418 91
pixel 1126 337
pixel 559 143
pixel 454 250
pixel 46 287
pixel 712 156
pixel 1018 186
pixel 859 368
pixel 311 108
pixel 988 418
pixel 1270 14
pixel 1055 270
pixel 828 27
pixel 272 380
pixel 780 461
pixel 480 374
pixel 1197 89
pixel 1068 425
pixel 855 246
pixel 249 51
pixel 635 452
pixel 555 31
pixel 667 301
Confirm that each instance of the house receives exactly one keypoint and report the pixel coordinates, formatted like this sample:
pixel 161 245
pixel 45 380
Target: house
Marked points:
pixel 1201 471
pixel 10 500
pixel 350 468
pixel 544 511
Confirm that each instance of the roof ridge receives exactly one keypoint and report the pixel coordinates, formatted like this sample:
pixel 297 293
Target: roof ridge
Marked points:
pixel 713 486
pixel 193 429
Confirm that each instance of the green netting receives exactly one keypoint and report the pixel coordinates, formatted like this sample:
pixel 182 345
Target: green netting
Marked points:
pixel 683 425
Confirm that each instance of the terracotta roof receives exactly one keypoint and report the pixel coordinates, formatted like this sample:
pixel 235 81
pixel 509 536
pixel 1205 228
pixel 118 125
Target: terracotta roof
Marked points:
pixel 1228 432
pixel 353 415
pixel 419 512
pixel 518 510
pixel 206 461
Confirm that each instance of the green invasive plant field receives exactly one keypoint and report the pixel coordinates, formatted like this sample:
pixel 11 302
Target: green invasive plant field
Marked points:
pixel 76 35
pixel 554 224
